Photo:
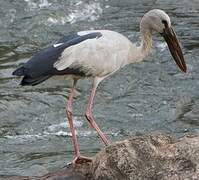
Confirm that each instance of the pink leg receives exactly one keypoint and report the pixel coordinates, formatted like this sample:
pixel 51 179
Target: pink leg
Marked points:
pixel 90 118
pixel 77 157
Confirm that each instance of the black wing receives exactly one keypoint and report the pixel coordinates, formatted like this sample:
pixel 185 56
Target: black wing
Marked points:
pixel 40 66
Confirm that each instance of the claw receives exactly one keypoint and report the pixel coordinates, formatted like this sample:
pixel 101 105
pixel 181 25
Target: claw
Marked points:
pixel 81 160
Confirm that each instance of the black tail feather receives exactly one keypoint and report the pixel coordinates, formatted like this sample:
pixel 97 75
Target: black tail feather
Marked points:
pixel 29 81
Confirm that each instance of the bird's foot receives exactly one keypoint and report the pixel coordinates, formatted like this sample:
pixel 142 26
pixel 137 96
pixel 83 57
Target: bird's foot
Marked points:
pixel 81 159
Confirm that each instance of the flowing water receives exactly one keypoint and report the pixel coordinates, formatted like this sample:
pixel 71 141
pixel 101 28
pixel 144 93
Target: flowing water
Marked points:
pixel 149 96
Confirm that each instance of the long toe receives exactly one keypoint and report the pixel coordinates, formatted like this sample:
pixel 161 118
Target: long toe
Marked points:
pixel 81 159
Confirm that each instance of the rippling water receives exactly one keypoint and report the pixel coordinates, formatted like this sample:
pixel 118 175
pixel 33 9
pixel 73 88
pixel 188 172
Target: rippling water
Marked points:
pixel 149 96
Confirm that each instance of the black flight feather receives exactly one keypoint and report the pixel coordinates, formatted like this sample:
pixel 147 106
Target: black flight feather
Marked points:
pixel 40 66
pixel 26 81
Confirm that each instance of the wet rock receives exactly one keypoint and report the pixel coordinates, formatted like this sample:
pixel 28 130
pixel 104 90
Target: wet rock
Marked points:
pixel 154 157
pixel 149 157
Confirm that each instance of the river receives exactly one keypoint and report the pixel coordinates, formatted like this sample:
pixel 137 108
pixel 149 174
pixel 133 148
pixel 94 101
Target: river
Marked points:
pixel 151 96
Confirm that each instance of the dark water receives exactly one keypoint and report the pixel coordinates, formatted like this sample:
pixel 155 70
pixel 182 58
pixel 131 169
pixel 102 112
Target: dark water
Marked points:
pixel 149 96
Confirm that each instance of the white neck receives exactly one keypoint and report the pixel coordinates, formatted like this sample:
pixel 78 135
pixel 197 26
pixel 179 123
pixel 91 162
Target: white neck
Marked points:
pixel 137 54
pixel 146 42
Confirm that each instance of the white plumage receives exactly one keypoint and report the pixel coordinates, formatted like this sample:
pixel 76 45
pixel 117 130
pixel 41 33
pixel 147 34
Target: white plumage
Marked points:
pixel 99 56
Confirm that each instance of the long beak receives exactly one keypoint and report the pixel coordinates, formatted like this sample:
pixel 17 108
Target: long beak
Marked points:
pixel 174 47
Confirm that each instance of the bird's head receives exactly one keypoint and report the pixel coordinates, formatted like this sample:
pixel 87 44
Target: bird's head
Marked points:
pixel 155 20
pixel 158 21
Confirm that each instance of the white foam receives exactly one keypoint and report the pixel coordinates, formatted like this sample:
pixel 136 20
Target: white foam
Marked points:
pixel 31 5
pixel 56 127
pixel 161 46
pixel 61 133
pixel 89 11
pixel 56 20
pixel 44 3
pixel 25 137
pixel 80 11
pixel 46 134
pixel 83 133
pixel 137 115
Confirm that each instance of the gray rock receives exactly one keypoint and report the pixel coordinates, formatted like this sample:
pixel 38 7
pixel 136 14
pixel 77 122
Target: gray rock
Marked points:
pixel 147 157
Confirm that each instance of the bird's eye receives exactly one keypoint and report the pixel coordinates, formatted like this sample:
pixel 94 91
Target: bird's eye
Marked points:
pixel 165 23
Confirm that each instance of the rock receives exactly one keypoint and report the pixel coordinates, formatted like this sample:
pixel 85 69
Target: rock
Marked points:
pixel 147 157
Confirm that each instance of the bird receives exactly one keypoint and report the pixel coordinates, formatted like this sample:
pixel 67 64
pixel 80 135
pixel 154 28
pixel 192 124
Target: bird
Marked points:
pixel 97 54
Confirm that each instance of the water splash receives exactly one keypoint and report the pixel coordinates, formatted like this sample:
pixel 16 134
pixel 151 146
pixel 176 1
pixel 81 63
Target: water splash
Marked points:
pixel 90 12
pixel 56 20
pixel 27 138
pixel 161 46
pixel 63 125
pixel 62 133
pixel 60 129
pixel 42 4
pixel 24 138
